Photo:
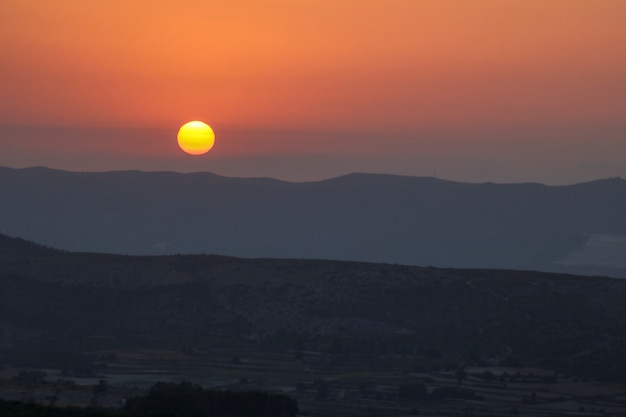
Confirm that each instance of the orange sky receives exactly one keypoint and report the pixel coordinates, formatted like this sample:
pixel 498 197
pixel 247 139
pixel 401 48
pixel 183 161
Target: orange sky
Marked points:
pixel 418 73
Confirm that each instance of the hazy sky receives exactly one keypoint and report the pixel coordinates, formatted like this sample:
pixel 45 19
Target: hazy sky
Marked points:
pixel 480 90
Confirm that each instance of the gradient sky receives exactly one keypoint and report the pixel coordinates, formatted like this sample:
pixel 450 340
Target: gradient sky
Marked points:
pixel 481 90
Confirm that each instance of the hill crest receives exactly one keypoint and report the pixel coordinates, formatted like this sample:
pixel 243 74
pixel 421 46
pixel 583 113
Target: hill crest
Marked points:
pixel 358 217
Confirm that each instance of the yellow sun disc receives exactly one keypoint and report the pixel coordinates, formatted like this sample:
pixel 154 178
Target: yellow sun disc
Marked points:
pixel 196 138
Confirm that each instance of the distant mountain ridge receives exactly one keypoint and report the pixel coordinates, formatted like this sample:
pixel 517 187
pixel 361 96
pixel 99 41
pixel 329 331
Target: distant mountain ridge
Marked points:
pixel 577 228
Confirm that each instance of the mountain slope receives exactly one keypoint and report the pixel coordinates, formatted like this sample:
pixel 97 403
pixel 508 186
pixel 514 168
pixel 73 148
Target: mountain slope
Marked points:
pixel 362 217
pixel 63 303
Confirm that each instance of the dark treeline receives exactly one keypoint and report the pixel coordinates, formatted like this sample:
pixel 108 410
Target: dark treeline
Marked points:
pixel 189 400
pixel 172 400
pixel 18 409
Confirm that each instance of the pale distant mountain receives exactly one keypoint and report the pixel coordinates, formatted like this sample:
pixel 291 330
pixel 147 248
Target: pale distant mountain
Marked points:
pixel 363 217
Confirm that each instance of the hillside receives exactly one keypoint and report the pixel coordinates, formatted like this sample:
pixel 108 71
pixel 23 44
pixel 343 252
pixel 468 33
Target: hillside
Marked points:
pixel 78 301
pixel 374 218
pixel 337 336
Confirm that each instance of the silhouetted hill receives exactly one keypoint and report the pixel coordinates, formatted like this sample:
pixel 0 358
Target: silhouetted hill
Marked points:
pixel 56 308
pixel 363 217
pixel 13 248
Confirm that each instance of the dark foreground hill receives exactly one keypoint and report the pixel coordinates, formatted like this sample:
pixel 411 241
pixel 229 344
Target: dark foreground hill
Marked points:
pixel 375 218
pixel 58 309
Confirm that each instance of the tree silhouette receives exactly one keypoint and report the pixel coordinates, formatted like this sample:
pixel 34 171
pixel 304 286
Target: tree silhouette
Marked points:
pixel 189 400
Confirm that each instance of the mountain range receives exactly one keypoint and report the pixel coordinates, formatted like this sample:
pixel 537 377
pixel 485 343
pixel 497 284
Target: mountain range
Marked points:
pixel 424 221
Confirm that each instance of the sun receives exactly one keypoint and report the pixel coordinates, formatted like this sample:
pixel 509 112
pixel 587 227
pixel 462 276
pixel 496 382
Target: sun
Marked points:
pixel 196 137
